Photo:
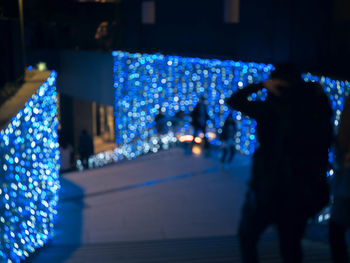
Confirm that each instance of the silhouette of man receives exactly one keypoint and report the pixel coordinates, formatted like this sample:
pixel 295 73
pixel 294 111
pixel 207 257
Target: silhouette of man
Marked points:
pixel 227 138
pixel 288 183
pixel 86 148
pixel 340 214
pixel 199 119
pixel 160 121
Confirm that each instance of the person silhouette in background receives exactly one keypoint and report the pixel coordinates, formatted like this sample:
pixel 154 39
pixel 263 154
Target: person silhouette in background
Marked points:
pixel 227 138
pixel 340 213
pixel 178 121
pixel 66 158
pixel 160 121
pixel 199 120
pixel 86 148
pixel 288 183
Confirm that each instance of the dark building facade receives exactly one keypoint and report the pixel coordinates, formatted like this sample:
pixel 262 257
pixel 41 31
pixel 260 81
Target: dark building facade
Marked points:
pixel 312 33
pixel 270 31
pixel 76 37
pixel 11 62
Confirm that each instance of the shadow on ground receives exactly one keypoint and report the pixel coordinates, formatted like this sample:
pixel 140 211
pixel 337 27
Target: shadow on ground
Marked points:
pixel 68 227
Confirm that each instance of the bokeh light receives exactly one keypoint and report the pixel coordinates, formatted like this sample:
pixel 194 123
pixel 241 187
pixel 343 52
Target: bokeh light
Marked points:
pixel 337 91
pixel 29 178
pixel 146 84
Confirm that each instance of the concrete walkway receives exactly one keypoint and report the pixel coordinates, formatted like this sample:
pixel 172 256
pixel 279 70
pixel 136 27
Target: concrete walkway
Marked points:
pixel 164 207
pixel 33 80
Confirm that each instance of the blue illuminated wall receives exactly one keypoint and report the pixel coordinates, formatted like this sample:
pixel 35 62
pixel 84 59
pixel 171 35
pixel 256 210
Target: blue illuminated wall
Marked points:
pixel 29 179
pixel 145 84
pixel 336 90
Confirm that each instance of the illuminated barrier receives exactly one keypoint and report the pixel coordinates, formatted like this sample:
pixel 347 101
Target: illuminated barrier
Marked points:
pixel 336 90
pixel 29 179
pixel 146 84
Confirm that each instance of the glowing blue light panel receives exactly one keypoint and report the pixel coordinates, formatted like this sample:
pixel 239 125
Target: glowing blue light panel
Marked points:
pixel 145 84
pixel 29 178
pixel 336 90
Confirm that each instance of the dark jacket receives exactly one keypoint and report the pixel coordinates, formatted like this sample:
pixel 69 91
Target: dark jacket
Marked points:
pixel 196 116
pixel 86 145
pixel 267 115
pixel 228 130
pixel 294 132
pixel 343 139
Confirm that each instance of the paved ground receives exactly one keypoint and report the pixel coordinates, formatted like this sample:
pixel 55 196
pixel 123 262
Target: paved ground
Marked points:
pixel 164 207
pixel 100 145
pixel 33 80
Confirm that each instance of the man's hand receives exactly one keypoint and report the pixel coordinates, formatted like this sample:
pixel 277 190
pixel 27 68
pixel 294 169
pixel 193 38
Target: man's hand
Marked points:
pixel 272 84
pixel 347 161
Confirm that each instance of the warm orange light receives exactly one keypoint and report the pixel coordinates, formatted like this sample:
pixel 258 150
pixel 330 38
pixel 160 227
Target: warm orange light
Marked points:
pixel 211 135
pixel 198 139
pixel 186 138
pixel 196 150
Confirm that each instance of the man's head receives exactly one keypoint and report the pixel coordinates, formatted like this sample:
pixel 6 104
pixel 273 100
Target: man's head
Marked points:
pixel 230 117
pixel 284 80
pixel 287 72
pixel 202 100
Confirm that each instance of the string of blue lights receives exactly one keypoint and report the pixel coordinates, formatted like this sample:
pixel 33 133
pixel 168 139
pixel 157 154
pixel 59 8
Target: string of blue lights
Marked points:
pixel 29 175
pixel 146 84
